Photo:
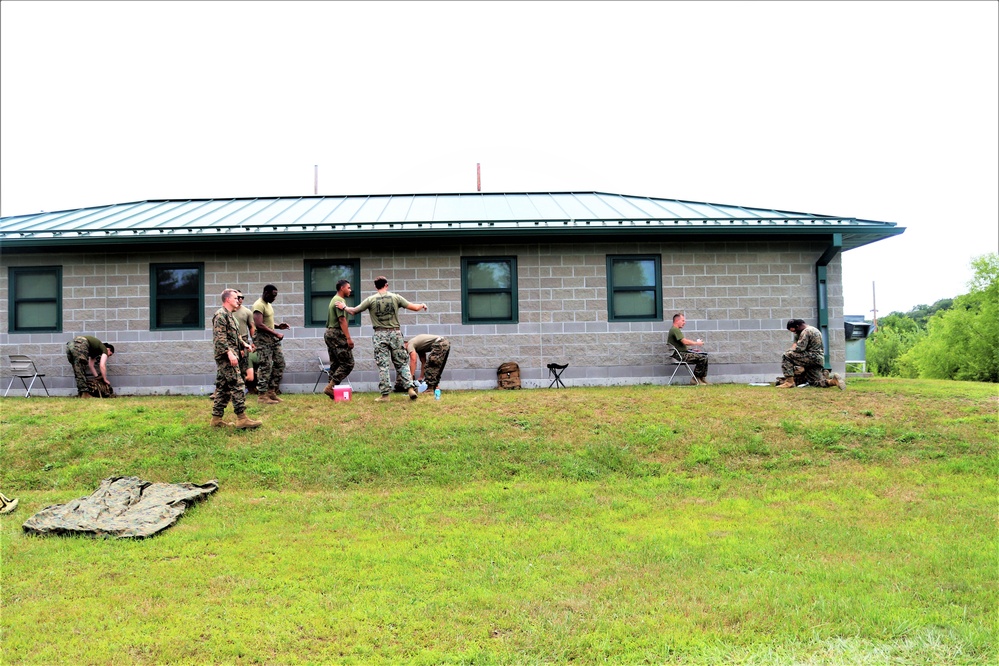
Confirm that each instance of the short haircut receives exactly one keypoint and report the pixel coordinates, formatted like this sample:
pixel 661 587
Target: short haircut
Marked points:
pixel 110 348
pixel 795 323
pixel 340 283
pixel 380 281
pixel 270 287
pixel 677 316
pixel 226 293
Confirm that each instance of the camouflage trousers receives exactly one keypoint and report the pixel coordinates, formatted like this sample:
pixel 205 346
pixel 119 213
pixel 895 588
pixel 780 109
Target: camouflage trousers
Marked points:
pixel 699 361
pixel 810 361
pixel 270 368
pixel 244 357
pixel 389 351
pixel 78 355
pixel 228 387
pixel 432 369
pixel 436 360
pixel 341 355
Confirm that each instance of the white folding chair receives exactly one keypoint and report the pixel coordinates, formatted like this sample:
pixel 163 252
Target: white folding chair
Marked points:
pixel 24 368
pixel 324 369
pixel 677 358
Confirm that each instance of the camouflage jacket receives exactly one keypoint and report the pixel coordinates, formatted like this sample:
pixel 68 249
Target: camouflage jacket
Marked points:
pixel 809 341
pixel 225 334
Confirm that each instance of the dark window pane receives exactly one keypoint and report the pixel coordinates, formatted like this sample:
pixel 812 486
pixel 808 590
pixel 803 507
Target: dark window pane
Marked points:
pixel 635 304
pixel 177 313
pixel 37 315
pixel 177 282
pixel 490 306
pixel 489 275
pixel 634 273
pixel 37 285
pixel 324 278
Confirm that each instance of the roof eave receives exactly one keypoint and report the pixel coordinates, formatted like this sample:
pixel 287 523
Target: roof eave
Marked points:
pixel 853 236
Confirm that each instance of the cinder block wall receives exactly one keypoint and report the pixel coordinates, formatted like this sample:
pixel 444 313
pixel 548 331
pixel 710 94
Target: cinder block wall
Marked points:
pixel 737 296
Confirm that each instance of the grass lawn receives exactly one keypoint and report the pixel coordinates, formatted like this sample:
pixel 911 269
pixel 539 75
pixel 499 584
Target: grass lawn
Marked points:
pixel 628 525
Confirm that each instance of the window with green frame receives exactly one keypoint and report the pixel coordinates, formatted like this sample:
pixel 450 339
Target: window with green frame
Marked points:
pixel 634 288
pixel 321 277
pixel 489 290
pixel 176 300
pixel 35 299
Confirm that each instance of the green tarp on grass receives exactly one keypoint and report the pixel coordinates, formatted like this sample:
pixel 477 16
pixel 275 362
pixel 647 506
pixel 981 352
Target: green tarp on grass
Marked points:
pixel 123 506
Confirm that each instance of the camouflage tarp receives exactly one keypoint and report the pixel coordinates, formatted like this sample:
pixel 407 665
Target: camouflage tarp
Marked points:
pixel 124 506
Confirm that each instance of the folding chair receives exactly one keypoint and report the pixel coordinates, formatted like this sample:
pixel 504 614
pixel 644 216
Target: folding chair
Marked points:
pixel 23 368
pixel 677 358
pixel 324 369
pixel 555 370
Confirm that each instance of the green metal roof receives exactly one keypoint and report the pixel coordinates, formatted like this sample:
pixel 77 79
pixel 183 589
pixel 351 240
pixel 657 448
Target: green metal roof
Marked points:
pixel 471 215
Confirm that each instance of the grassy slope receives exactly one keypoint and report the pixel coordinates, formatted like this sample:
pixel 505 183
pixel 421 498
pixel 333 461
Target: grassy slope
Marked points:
pixel 648 524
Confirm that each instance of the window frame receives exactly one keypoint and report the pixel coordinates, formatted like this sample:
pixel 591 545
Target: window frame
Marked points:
pixel 612 290
pixel 15 273
pixel 466 293
pixel 154 298
pixel 309 265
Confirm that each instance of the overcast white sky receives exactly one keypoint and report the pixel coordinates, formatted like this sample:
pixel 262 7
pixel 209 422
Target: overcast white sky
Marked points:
pixel 883 111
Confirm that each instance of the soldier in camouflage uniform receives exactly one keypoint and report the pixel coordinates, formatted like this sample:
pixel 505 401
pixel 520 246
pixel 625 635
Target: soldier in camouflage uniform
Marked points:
pixel 228 380
pixel 432 352
pixel 807 354
pixel 383 308
pixel 339 344
pixel 81 352
pixel 270 369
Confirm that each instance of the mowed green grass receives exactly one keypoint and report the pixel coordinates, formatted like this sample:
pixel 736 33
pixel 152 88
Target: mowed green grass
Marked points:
pixel 628 525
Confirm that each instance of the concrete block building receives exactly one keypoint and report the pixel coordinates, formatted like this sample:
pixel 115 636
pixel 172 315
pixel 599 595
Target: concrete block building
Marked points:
pixel 588 279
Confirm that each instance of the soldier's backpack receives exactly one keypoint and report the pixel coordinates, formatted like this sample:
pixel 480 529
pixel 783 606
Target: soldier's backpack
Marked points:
pixel 99 388
pixel 508 376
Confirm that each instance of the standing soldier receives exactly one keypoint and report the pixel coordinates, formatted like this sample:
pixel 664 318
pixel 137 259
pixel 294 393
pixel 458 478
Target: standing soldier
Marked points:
pixel 247 330
pixel 228 380
pixel 270 369
pixel 338 341
pixel 383 307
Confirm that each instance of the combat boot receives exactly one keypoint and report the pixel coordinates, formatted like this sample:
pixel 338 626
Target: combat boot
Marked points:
pixel 412 393
pixel 243 422
pixel 330 392
pixel 787 383
pixel 272 394
pixel 217 422
pixel 836 381
pixel 264 399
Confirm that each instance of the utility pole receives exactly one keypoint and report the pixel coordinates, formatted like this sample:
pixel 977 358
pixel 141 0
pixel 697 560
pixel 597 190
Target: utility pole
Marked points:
pixel 478 177
pixel 874 300
pixel 316 186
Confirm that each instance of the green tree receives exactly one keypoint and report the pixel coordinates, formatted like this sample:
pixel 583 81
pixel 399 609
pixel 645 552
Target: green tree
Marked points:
pixel 896 334
pixel 921 313
pixel 963 342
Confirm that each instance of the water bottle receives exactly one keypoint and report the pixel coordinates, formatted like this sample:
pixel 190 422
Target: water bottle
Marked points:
pixel 437 394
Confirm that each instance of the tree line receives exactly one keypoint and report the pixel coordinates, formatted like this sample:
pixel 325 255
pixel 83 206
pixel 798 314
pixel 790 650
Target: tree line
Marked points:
pixel 955 338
